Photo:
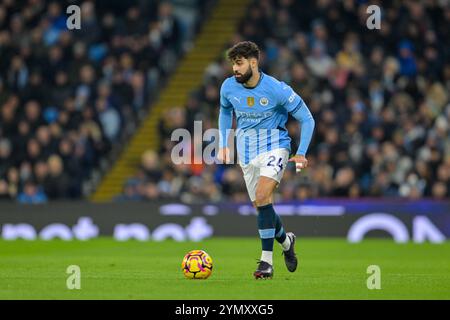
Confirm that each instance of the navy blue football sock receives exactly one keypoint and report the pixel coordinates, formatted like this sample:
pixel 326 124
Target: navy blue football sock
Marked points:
pixel 280 234
pixel 266 226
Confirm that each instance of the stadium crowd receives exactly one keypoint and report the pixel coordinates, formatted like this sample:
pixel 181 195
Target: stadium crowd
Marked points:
pixel 380 99
pixel 67 96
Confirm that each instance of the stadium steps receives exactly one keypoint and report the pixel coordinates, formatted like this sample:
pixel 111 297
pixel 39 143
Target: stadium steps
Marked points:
pixel 209 44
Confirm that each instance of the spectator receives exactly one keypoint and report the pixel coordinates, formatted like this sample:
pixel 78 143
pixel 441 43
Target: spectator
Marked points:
pixel 31 194
pixel 319 62
pixel 406 59
pixel 4 192
pixel 56 184
pixel 109 119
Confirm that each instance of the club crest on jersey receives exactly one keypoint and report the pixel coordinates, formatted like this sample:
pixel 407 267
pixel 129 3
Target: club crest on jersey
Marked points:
pixel 250 101
pixel 264 101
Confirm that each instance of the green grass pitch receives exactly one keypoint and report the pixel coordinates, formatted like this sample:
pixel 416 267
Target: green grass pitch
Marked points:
pixel 328 269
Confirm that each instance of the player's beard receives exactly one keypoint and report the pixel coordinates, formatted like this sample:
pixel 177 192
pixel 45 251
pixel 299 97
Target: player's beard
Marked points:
pixel 245 77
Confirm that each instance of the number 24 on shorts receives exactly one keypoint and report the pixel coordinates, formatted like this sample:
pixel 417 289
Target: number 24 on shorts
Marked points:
pixel 279 164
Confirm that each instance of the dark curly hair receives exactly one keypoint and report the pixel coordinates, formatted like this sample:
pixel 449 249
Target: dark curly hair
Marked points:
pixel 245 49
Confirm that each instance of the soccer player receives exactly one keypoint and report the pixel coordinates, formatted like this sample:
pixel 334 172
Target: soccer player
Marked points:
pixel 261 105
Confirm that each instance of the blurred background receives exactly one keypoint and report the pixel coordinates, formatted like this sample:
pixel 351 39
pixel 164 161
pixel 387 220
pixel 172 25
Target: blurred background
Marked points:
pixel 88 114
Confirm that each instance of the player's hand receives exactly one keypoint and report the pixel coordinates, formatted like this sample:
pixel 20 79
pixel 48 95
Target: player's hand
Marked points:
pixel 300 162
pixel 224 155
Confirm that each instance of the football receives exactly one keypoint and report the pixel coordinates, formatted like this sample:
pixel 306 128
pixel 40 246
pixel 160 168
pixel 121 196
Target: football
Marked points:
pixel 197 264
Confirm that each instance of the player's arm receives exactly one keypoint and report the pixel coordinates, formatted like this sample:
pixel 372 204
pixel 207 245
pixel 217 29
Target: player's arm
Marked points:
pixel 298 109
pixel 225 125
pixel 306 120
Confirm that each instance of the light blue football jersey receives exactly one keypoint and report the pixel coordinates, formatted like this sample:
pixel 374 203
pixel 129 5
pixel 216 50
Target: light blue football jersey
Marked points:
pixel 261 114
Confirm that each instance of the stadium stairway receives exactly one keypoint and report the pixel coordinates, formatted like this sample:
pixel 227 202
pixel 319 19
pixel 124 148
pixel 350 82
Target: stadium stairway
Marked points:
pixel 216 32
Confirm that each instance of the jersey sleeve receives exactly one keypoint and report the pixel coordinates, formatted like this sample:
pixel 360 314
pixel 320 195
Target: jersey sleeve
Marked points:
pixel 225 117
pixel 307 123
pixel 224 102
pixel 288 98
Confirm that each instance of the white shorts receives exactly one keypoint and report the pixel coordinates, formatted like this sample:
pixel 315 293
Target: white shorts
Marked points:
pixel 270 164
